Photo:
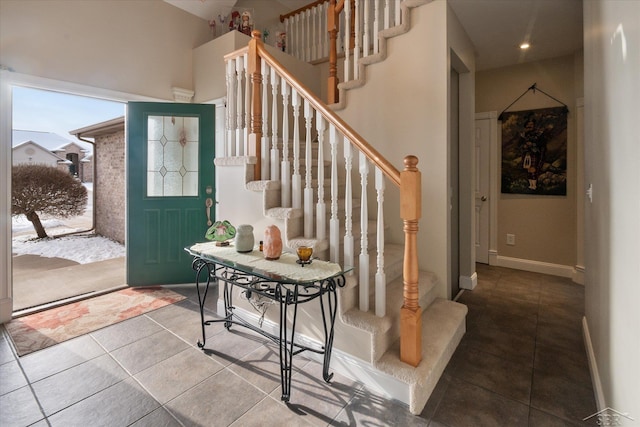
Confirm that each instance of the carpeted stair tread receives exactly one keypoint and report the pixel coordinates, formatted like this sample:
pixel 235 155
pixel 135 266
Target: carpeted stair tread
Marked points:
pixel 443 325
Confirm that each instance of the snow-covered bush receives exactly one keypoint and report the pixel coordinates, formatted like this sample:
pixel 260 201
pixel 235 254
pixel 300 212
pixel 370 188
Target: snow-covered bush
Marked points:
pixel 40 189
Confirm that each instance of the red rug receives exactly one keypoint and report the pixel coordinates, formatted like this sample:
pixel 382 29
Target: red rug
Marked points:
pixel 46 328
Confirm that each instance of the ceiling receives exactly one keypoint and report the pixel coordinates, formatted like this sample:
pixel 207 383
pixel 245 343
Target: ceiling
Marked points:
pixel 496 27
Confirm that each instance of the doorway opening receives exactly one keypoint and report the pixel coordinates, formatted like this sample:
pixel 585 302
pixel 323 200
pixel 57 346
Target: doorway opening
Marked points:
pixel 73 260
pixel 454 181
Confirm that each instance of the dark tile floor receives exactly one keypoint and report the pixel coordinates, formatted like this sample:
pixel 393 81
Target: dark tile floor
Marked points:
pixel 522 362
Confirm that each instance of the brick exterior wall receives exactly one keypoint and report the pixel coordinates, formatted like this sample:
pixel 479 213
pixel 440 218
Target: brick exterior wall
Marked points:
pixel 86 170
pixel 109 186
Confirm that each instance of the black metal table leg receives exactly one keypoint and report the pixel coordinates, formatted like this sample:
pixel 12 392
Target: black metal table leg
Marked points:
pixel 202 296
pixel 287 340
pixel 328 315
pixel 228 304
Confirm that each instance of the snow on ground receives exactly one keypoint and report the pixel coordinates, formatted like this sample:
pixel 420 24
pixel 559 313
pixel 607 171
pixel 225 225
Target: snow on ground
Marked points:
pixel 20 224
pixel 82 249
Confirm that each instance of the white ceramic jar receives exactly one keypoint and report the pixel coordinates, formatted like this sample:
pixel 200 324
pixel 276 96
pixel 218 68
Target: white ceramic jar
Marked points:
pixel 244 238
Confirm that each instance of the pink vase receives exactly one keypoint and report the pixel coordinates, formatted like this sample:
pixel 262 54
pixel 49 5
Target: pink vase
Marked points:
pixel 272 244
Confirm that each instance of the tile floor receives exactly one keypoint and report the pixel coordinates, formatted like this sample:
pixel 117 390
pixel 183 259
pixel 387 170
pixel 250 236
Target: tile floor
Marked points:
pixel 521 363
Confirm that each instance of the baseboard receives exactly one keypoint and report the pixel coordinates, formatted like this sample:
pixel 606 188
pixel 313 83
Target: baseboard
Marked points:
pixel 341 362
pixel 6 309
pixel 593 366
pixel 535 266
pixel 578 275
pixel 468 282
pixel 493 257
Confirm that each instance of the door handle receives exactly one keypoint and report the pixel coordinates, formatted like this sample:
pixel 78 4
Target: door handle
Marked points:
pixel 483 198
pixel 208 203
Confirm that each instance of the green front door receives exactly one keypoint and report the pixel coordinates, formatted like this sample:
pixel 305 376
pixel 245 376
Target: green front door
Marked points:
pixel 170 188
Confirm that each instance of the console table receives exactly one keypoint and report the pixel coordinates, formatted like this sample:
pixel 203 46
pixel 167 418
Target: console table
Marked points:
pixel 283 281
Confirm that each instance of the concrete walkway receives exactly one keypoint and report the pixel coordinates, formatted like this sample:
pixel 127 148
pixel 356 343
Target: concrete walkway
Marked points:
pixel 38 280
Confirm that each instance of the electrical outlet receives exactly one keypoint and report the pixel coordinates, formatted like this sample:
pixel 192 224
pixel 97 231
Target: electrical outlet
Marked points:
pixel 511 239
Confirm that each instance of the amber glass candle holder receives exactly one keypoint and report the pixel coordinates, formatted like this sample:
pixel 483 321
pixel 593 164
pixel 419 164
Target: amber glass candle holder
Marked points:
pixel 304 255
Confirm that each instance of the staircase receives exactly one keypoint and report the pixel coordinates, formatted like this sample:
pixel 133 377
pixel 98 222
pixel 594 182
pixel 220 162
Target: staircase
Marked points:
pixel 302 185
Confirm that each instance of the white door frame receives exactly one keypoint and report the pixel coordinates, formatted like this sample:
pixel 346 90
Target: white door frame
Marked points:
pixel 9 79
pixel 494 160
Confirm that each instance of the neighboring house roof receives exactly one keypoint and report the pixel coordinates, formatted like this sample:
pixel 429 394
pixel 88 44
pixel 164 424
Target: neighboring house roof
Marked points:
pixel 48 140
pixel 100 129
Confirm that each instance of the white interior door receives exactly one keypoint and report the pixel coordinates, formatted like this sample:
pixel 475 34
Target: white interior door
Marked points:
pixel 482 186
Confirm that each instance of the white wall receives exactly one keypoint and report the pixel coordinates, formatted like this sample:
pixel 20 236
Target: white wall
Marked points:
pixel 413 119
pixel 612 155
pixel 209 68
pixel 135 46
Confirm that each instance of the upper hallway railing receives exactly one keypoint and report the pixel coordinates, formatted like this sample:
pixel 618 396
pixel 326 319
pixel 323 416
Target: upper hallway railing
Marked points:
pixel 261 122
pixel 328 29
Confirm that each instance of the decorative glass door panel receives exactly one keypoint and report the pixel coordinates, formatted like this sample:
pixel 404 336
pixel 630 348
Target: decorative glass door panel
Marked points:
pixel 172 156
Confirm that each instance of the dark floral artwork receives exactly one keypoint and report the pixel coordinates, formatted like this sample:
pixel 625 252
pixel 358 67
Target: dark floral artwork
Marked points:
pixel 534 152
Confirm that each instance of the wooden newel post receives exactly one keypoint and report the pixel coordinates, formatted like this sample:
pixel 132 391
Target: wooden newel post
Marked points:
pixel 410 313
pixel 332 27
pixel 254 70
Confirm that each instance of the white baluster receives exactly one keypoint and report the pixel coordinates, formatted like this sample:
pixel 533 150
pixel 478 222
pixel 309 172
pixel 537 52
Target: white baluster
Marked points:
pixel 288 30
pixel 295 39
pixel 275 154
pixel 247 109
pixel 387 14
pixel 376 25
pixel 239 104
pixel 231 108
pixel 314 30
pixel 334 222
pixel 325 33
pixel 381 278
pixel 296 179
pixel 308 163
pixel 307 35
pixel 321 209
pixel 285 186
pixel 397 17
pixel 322 30
pixel 265 169
pixel 302 30
pixel 366 37
pixel 347 51
pixel 358 42
pixel 289 37
pixel 348 207
pixel 363 261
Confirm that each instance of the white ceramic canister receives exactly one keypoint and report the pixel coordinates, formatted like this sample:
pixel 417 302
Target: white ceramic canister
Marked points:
pixel 244 238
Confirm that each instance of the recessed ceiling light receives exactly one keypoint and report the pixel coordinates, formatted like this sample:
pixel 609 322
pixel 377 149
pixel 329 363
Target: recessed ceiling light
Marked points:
pixel 524 46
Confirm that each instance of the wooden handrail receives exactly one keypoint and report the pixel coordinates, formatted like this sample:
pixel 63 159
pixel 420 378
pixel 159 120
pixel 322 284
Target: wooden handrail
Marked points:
pixel 371 153
pixel 302 9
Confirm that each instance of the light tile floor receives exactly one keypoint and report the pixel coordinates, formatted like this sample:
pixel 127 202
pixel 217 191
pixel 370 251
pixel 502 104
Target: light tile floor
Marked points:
pixel 521 363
